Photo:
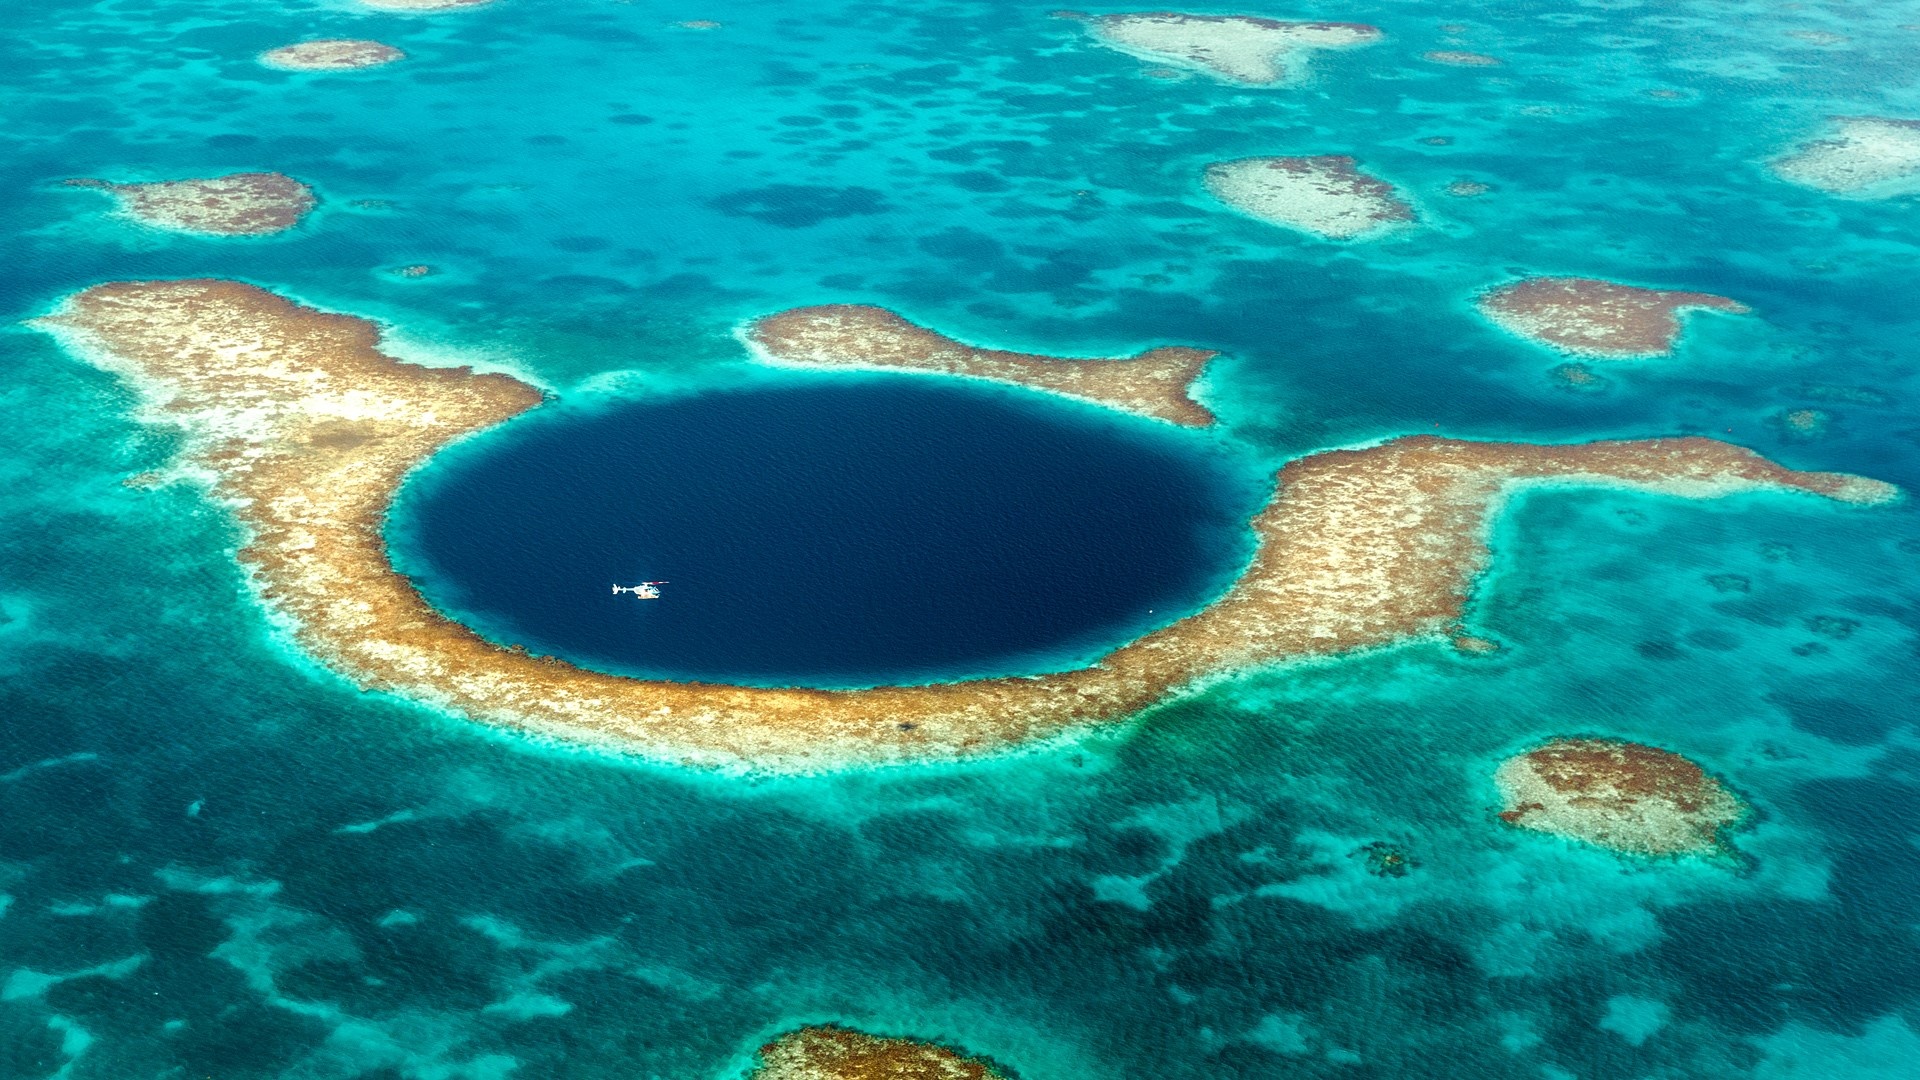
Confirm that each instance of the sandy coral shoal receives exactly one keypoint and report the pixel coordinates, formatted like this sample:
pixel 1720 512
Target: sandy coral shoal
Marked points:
pixel 1456 58
pixel 308 430
pixel 1235 48
pixel 422 5
pixel 331 54
pixel 1595 318
pixel 239 204
pixel 1619 795
pixel 1866 157
pixel 837 1053
pixel 1155 383
pixel 1327 195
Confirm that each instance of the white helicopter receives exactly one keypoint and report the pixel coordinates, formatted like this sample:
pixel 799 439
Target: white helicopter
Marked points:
pixel 646 590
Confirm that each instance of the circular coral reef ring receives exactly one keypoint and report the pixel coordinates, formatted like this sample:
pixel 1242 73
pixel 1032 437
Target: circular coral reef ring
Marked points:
pixel 1356 549
pixel 832 1052
pixel 1626 796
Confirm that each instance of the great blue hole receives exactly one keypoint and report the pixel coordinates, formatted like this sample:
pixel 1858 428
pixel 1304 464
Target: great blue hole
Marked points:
pixel 842 531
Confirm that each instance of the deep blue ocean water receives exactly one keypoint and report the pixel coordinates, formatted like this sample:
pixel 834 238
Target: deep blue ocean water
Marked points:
pixel 828 531
pixel 216 860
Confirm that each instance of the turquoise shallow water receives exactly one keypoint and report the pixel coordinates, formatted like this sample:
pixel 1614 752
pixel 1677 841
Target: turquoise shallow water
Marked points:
pixel 217 860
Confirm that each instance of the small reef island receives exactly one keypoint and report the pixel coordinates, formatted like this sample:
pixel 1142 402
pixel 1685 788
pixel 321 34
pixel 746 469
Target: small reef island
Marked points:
pixel 1588 317
pixel 1326 195
pixel 837 1053
pixel 307 429
pixel 331 54
pixel 1239 49
pixel 1866 157
pixel 1154 383
pixel 1620 795
pixel 239 204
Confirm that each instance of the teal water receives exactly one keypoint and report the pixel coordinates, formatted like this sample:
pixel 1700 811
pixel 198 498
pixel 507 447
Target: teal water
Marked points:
pixel 217 860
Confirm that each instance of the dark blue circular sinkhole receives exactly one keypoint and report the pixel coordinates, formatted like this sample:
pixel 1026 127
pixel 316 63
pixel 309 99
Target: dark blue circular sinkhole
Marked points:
pixel 832 532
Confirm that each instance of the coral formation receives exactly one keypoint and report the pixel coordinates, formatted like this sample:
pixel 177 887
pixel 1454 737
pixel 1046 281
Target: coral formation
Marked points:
pixel 1326 195
pixel 306 429
pixel 1154 383
pixel 1455 58
pixel 1867 157
pixel 1619 795
pixel 422 5
pixel 333 54
pixel 1802 425
pixel 1233 48
pixel 837 1053
pixel 239 204
pixel 1599 319
pixel 1383 859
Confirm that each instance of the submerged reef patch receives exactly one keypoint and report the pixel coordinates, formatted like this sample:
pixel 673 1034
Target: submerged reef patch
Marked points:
pixel 1866 157
pixel 306 429
pixel 1619 795
pixel 239 204
pixel 331 54
pixel 1234 48
pixel 1154 383
pixel 836 1053
pixel 1456 58
pixel 1600 319
pixel 1326 195
pixel 422 5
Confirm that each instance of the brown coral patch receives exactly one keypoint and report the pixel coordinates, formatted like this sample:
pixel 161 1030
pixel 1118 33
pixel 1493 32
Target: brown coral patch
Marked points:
pixel 837 1053
pixel 1595 318
pixel 307 429
pixel 1620 795
pixel 239 204
pixel 1154 383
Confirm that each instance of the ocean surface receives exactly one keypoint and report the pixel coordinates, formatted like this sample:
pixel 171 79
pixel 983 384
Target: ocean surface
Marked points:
pixel 219 860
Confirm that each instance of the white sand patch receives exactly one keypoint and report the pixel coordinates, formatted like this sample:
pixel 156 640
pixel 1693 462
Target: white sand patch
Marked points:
pixel 1234 48
pixel 1327 196
pixel 1868 157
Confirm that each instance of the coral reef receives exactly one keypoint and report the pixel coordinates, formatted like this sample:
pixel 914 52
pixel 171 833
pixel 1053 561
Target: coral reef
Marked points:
pixel 333 54
pixel 422 5
pixel 1455 58
pixel 1600 319
pixel 1867 157
pixel 239 204
pixel 1326 195
pixel 306 429
pixel 837 1053
pixel 1619 795
pixel 1154 383
pixel 1233 48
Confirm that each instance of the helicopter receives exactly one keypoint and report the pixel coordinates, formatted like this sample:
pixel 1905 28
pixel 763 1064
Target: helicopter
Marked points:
pixel 646 590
